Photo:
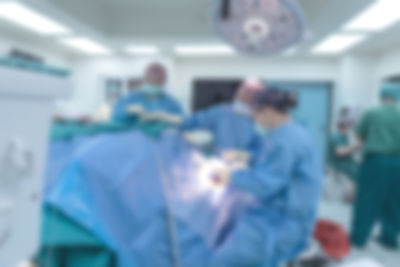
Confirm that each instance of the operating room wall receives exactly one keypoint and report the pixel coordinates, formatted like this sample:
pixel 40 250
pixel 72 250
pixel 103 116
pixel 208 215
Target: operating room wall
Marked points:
pixel 388 65
pixel 356 87
pixel 362 76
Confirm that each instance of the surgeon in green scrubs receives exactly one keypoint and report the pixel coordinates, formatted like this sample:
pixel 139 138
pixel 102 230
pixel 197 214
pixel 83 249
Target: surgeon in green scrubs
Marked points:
pixel 341 152
pixel 378 188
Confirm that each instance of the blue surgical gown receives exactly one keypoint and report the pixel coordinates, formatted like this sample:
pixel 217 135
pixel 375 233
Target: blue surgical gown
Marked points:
pixel 160 103
pixel 230 129
pixel 286 181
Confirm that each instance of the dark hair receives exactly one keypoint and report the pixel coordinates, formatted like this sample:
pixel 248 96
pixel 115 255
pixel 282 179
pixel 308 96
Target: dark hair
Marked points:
pixel 278 99
pixel 344 124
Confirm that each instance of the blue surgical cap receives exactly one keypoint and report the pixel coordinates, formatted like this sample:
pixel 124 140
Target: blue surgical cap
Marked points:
pixel 391 91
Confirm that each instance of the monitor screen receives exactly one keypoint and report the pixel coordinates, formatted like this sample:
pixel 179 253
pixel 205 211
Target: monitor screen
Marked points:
pixel 210 92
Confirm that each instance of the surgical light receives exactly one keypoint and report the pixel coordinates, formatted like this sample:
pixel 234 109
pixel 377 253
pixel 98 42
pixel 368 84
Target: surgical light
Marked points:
pixel 338 43
pixel 143 50
pixel 86 45
pixel 30 19
pixel 378 16
pixel 259 26
pixel 208 177
pixel 203 50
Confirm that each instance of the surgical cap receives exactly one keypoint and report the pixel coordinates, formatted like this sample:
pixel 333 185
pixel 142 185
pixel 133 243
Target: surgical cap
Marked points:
pixel 391 91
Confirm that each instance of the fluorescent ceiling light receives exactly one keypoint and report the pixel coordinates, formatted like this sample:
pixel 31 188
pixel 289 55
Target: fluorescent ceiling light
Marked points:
pixel 337 43
pixel 380 15
pixel 85 45
pixel 203 50
pixel 145 50
pixel 30 19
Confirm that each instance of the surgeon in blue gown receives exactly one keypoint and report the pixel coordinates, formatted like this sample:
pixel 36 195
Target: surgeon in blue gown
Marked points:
pixel 285 181
pixel 231 125
pixel 151 97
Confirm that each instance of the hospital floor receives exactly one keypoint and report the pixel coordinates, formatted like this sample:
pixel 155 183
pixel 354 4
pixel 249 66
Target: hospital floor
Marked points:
pixel 334 209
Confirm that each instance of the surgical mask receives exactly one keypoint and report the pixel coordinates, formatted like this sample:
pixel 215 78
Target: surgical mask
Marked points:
pixel 152 90
pixel 261 129
pixel 241 108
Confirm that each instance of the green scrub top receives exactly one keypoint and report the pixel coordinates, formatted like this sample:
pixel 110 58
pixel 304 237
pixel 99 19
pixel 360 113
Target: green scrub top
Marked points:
pixel 344 164
pixel 380 130
pixel 338 140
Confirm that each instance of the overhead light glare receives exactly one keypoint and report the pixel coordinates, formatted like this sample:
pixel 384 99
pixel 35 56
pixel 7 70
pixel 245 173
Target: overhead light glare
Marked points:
pixel 30 19
pixel 337 43
pixel 86 46
pixel 143 50
pixel 203 50
pixel 379 16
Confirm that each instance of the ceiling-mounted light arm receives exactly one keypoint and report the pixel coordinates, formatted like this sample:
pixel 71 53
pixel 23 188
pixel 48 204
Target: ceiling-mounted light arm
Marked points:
pixel 226 9
pixel 257 3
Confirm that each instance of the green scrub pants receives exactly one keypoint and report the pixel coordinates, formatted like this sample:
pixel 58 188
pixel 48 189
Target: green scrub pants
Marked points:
pixel 377 200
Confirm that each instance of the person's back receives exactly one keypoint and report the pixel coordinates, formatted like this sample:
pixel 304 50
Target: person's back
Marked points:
pixel 284 181
pixel 231 130
pixel 230 125
pixel 295 204
pixel 378 185
pixel 380 130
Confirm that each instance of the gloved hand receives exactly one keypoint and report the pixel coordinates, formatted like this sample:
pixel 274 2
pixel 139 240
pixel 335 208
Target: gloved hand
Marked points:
pixel 236 159
pixel 172 119
pixel 161 116
pixel 150 116
pixel 135 109
pixel 199 138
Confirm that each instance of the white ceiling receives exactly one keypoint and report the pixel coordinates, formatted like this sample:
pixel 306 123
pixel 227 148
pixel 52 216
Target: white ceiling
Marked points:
pixel 164 22
pixel 180 18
